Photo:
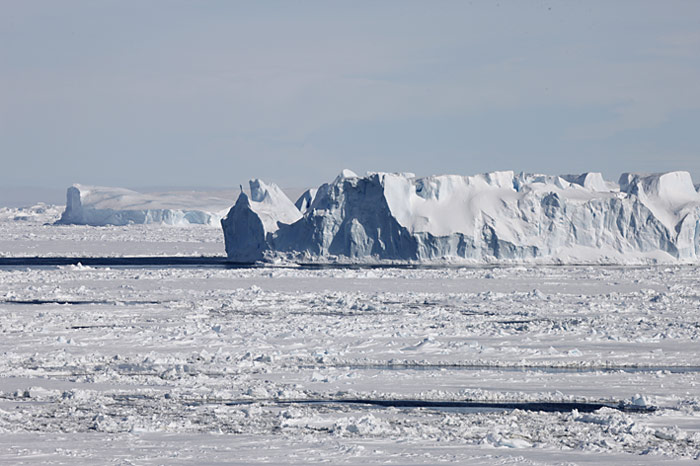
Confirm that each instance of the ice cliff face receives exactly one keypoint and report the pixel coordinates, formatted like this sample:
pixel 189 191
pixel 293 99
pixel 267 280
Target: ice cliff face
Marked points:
pixel 252 222
pixel 482 218
pixel 97 205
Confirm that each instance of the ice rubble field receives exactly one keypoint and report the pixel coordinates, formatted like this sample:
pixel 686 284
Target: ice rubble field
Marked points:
pixel 180 365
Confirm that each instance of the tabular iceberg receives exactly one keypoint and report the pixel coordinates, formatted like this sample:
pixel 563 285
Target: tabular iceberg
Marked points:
pixel 98 205
pixel 497 216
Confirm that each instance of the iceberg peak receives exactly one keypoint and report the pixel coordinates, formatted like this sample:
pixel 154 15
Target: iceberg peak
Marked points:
pixel 344 174
pixel 590 180
pixel 249 225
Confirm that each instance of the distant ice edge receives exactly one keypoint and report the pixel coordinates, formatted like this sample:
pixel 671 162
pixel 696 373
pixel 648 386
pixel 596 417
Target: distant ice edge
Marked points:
pixel 492 217
pixel 100 206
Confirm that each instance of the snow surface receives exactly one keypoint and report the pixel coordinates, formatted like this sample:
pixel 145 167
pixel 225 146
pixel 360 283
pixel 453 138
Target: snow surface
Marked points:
pixel 174 366
pixel 98 206
pixel 497 216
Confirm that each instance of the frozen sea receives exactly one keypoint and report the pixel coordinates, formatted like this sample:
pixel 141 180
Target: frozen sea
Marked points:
pixel 201 363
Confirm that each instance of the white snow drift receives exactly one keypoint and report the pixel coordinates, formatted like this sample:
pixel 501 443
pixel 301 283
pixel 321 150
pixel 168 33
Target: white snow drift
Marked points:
pixel 481 218
pixel 97 205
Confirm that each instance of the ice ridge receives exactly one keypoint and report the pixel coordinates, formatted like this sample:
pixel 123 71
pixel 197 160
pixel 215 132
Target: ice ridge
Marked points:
pixel 498 216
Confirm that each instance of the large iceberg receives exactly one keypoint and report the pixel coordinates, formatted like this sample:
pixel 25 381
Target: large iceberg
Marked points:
pixel 499 216
pixel 98 205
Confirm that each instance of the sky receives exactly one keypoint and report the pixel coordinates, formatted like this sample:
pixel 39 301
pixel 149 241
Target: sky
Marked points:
pixel 213 93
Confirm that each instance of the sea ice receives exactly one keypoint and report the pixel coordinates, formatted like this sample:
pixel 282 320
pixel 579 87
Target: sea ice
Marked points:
pixel 211 363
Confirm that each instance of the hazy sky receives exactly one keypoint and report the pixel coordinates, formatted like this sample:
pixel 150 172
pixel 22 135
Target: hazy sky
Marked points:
pixel 211 93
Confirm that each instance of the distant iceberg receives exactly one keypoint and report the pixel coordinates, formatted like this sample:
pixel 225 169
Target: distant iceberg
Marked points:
pixel 98 206
pixel 492 217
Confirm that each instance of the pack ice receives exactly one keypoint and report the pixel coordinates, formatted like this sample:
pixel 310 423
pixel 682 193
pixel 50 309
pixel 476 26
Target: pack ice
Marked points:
pixel 497 216
pixel 98 205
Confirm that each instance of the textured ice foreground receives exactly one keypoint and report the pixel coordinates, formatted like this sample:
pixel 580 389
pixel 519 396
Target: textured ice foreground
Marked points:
pixel 176 366
pixel 98 205
pixel 496 216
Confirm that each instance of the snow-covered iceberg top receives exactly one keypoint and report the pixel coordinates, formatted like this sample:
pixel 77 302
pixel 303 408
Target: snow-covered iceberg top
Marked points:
pixel 98 205
pixel 499 216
